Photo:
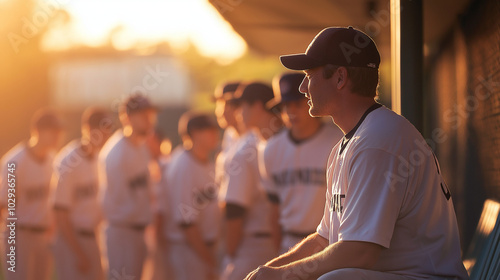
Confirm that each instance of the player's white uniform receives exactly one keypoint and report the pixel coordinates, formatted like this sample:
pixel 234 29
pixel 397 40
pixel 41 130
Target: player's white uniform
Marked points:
pixel 159 256
pixel 192 199
pixel 76 188
pixel 295 174
pixel 242 186
pixel 33 256
pixel 229 142
pixel 386 188
pixel 126 203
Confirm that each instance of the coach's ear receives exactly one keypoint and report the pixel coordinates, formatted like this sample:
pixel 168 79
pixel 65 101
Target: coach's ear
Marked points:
pixel 340 77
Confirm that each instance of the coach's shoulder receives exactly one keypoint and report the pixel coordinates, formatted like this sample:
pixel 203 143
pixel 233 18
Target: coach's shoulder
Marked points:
pixel 385 129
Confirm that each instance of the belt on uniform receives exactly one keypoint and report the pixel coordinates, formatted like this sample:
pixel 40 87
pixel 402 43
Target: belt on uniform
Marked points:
pixel 33 229
pixel 261 235
pixel 297 234
pixel 134 227
pixel 85 233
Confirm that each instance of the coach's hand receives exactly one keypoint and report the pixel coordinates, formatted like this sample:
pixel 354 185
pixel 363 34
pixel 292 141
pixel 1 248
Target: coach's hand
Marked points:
pixel 265 272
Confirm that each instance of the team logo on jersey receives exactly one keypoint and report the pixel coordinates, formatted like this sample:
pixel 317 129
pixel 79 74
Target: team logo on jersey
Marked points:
pixel 37 193
pixel 139 182
pixel 305 176
pixel 337 203
pixel 85 191
pixel 205 196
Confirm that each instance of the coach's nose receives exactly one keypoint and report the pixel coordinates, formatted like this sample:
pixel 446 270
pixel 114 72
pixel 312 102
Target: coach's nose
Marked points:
pixel 303 88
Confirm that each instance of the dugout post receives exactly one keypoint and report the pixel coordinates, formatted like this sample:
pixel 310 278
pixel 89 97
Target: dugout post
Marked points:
pixel 407 60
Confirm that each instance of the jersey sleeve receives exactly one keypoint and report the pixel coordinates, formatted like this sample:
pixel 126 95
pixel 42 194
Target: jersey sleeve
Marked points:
pixel 241 178
pixel 264 164
pixel 111 184
pixel 161 191
pixel 62 184
pixel 182 183
pixel 324 226
pixel 373 197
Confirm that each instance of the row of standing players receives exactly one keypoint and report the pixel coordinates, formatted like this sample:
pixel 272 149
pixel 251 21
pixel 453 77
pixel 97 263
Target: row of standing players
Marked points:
pixel 263 195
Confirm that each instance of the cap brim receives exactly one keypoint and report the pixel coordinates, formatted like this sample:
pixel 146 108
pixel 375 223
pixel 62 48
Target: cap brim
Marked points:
pixel 299 62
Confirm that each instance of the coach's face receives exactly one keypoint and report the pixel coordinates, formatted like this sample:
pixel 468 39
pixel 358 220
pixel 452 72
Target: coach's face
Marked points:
pixel 319 90
pixel 143 122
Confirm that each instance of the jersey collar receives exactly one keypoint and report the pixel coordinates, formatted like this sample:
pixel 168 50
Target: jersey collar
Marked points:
pixel 350 134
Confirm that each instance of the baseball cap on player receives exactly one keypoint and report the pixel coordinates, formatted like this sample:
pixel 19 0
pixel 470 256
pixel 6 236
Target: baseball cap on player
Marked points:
pixel 225 91
pixel 253 92
pixel 339 46
pixel 190 122
pixel 45 119
pixel 286 88
pixel 136 103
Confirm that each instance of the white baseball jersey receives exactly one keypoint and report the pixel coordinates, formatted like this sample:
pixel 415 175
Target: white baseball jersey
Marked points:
pixel 230 138
pixel 76 186
pixel 242 185
pixel 125 182
pixel 386 188
pixel 295 173
pixel 229 143
pixel 32 186
pixel 192 197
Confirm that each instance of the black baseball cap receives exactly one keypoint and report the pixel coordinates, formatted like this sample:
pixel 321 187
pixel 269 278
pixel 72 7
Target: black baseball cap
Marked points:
pixel 286 88
pixel 339 46
pixel 225 91
pixel 136 103
pixel 191 121
pixel 254 91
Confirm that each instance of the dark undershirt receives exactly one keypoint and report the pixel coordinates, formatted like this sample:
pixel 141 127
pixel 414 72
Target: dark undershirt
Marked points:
pixel 349 135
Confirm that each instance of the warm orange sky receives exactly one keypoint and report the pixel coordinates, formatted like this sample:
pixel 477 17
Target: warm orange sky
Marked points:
pixel 146 22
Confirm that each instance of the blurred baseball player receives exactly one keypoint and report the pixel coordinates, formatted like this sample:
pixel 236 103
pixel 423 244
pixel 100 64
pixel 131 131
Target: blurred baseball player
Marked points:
pixel 293 163
pixel 126 187
pixel 191 196
pixel 30 164
pixel 77 209
pixel 160 148
pixel 248 235
pixel 388 212
pixel 225 106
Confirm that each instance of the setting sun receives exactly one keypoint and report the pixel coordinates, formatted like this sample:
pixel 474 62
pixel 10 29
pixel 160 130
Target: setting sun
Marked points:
pixel 129 23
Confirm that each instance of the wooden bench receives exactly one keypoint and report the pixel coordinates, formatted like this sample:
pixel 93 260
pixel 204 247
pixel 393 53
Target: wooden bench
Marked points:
pixel 482 259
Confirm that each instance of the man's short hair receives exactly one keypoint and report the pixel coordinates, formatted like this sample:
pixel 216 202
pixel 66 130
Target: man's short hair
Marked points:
pixel 96 118
pixel 46 119
pixel 191 121
pixel 364 81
